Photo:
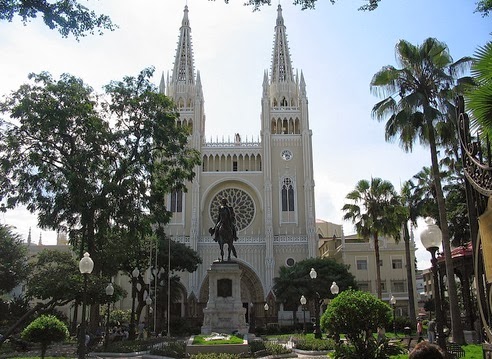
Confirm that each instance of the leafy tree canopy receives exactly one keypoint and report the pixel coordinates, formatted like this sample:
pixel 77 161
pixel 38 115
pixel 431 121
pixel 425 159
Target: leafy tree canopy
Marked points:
pixel 295 281
pixel 13 260
pixel 483 6
pixel 85 162
pixel 357 315
pixel 66 16
pixel 46 329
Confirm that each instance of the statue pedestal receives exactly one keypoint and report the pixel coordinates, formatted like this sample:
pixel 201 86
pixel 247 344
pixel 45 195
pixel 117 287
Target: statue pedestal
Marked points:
pixel 224 312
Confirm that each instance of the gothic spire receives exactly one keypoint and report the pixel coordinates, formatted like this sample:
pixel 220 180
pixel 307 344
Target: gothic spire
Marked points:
pixel 183 71
pixel 281 63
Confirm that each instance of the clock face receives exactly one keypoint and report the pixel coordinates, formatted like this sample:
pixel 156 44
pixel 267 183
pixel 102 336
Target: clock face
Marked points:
pixel 286 155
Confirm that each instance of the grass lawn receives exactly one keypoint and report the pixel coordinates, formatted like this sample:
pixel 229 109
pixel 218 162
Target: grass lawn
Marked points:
pixel 472 351
pixel 201 340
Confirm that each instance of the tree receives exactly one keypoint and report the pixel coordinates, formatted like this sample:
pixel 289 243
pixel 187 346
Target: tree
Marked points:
pixel 45 330
pixel 13 260
pixel 479 97
pixel 85 162
pixel 66 16
pixel 357 315
pixel 483 6
pixel 375 210
pixel 295 281
pixel 414 98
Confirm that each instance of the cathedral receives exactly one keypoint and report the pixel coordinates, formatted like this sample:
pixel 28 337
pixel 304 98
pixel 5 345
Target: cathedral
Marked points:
pixel 268 183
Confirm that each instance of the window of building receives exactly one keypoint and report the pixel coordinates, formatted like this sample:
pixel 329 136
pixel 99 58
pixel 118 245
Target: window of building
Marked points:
pixel 397 263
pixel 234 166
pixel 361 264
pixel 383 286
pixel 287 195
pixel 177 201
pixel 363 286
pixel 398 286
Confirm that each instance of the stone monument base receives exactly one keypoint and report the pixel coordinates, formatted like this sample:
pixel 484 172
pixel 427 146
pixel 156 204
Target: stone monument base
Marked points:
pixel 224 312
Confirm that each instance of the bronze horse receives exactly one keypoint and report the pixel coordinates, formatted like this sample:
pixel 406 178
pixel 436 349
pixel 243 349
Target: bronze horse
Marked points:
pixel 223 233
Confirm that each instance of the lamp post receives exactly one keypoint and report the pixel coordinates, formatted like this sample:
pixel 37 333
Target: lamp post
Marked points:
pixel 431 238
pixel 86 265
pixel 393 305
pixel 148 301
pixel 109 292
pixel 303 303
pixel 317 333
pixel 135 274
pixel 334 289
pixel 266 307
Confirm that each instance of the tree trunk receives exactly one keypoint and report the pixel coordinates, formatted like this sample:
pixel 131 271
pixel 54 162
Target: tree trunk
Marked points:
pixel 378 268
pixel 44 346
pixel 456 326
pixel 408 260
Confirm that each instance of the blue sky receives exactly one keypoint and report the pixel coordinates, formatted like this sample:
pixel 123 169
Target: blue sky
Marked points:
pixel 338 49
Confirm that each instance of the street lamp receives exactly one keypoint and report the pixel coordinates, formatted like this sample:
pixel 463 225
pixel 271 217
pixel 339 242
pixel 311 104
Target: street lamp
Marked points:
pixel 334 289
pixel 135 274
pixel 431 238
pixel 266 307
pixel 109 292
pixel 86 265
pixel 317 333
pixel 303 303
pixel 393 305
pixel 148 301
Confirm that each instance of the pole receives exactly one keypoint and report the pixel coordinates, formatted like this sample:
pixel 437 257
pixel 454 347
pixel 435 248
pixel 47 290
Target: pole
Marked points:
pixel 106 335
pixel 132 319
pixel 441 341
pixel 169 289
pixel 304 319
pixel 394 319
pixel 82 324
pixel 317 333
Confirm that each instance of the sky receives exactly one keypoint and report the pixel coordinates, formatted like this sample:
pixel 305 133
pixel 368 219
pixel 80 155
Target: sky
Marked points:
pixel 337 47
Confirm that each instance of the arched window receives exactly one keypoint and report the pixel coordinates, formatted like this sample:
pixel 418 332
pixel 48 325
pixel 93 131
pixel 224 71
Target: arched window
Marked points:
pixel 287 195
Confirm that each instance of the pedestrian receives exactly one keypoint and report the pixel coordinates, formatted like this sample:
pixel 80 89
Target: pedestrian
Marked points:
pixel 426 350
pixel 431 331
pixel 419 330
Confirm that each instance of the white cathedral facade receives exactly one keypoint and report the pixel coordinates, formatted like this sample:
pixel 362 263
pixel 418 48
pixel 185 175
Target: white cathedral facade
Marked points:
pixel 269 183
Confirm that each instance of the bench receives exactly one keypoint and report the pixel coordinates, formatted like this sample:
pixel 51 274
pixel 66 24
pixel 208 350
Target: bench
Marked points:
pixel 455 351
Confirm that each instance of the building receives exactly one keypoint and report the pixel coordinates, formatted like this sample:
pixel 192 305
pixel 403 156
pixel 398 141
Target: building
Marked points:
pixel 359 255
pixel 269 183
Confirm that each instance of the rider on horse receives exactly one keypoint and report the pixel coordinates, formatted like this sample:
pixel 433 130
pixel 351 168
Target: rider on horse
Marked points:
pixel 226 218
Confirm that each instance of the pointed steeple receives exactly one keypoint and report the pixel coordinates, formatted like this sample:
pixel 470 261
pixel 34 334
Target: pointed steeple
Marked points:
pixel 281 63
pixel 183 71
pixel 29 240
pixel 162 84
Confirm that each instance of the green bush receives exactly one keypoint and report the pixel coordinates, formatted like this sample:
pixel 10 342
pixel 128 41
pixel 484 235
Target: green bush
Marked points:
pixel 276 349
pixel 214 356
pixel 357 314
pixel 312 344
pixel 174 349
pixel 45 330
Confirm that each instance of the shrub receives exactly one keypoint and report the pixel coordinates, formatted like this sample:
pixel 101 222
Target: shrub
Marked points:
pixel 214 356
pixel 45 330
pixel 313 344
pixel 276 348
pixel 173 349
pixel 356 314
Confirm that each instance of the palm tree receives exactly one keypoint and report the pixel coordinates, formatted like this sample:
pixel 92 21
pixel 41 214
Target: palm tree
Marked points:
pixel 375 210
pixel 415 102
pixel 479 99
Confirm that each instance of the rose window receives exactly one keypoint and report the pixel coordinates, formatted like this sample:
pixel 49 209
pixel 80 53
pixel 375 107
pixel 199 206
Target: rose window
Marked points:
pixel 240 201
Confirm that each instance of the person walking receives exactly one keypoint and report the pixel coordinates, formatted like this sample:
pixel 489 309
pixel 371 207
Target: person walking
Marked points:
pixel 431 331
pixel 419 330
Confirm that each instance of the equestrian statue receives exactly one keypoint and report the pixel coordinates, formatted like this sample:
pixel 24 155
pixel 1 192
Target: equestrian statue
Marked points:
pixel 224 231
